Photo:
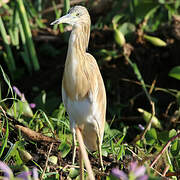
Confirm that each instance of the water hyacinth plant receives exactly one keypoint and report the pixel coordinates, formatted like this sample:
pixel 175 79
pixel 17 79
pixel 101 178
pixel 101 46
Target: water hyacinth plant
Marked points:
pixel 21 95
pixel 8 174
pixel 22 106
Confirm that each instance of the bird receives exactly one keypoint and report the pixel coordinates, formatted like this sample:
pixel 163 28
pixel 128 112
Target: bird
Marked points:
pixel 83 89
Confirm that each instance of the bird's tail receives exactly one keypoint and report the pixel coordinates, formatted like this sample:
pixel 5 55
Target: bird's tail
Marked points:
pixel 90 138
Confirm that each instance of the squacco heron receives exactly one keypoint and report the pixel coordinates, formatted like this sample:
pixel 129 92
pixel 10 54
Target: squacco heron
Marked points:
pixel 83 90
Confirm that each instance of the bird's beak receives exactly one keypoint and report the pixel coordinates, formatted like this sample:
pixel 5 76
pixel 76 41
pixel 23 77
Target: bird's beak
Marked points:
pixel 64 19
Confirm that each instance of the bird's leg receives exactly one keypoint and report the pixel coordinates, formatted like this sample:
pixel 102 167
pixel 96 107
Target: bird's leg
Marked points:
pixel 81 163
pixel 100 151
pixel 99 144
pixel 74 146
pixel 84 155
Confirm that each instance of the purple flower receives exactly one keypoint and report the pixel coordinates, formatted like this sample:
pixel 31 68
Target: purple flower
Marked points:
pixel 135 172
pixel 24 175
pixel 7 171
pixel 21 95
pixel 141 127
pixel 138 171
pixel 119 174
pixel 35 174
pixel 32 105
pixel 17 91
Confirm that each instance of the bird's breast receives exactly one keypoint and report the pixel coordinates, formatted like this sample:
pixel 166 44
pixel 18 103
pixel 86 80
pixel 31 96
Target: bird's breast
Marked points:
pixel 79 111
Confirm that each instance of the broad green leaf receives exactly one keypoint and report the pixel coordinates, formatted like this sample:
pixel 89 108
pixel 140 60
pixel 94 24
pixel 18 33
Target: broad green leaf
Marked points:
pixel 175 148
pixel 163 136
pixel 73 173
pixel 20 108
pixel 172 133
pixel 175 72
pixel 127 28
pixel 117 18
pixel 64 148
pixel 151 136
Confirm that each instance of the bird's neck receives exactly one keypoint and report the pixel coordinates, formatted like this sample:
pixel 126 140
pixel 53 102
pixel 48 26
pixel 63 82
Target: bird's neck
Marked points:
pixel 79 39
pixel 75 81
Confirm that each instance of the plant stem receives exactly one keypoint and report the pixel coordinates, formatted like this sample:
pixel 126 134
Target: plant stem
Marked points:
pixel 66 6
pixel 12 66
pixel 28 35
pixel 163 149
pixel 25 54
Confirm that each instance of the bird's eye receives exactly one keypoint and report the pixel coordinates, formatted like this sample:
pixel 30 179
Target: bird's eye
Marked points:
pixel 77 14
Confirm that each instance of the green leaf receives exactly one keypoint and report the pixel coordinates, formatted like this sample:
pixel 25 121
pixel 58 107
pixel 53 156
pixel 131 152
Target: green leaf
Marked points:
pixel 115 20
pixel 47 132
pixel 64 148
pixel 111 132
pixel 20 108
pixel 172 133
pixel 175 72
pixel 120 141
pixel 5 139
pixel 178 97
pixel 12 152
pixel 47 120
pixel 121 152
pixel 151 136
pixel 73 173
pixel 163 136
pixel 175 148
pixel 7 80
pixel 127 29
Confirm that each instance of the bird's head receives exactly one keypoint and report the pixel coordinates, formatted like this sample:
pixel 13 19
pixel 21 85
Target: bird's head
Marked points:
pixel 76 15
